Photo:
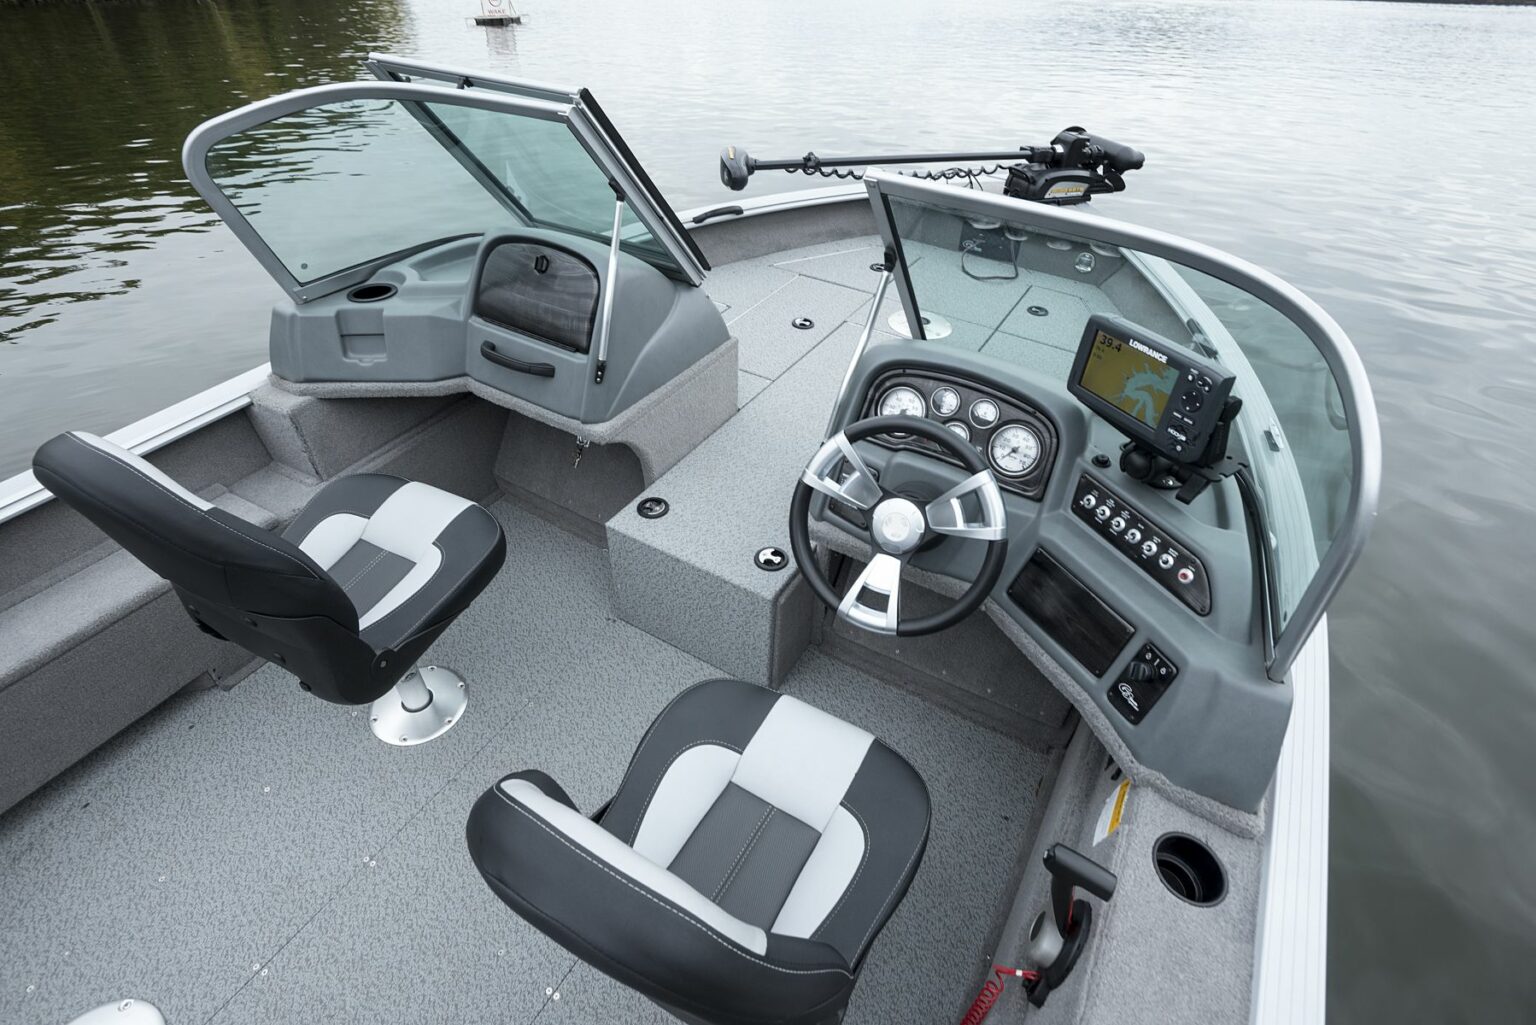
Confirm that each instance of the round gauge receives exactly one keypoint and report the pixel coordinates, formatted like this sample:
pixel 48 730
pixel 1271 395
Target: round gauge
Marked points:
pixel 960 429
pixel 946 401
pixel 1014 450
pixel 984 413
pixel 902 401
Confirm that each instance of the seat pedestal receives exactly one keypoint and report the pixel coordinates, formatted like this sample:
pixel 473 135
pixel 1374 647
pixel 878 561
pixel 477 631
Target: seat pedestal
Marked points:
pixel 423 705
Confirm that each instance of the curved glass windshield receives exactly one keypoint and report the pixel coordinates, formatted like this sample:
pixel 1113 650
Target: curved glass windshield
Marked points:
pixel 339 185
pixel 1022 294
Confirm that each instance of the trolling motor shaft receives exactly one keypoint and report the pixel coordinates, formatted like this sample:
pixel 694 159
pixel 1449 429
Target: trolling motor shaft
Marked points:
pixel 1073 167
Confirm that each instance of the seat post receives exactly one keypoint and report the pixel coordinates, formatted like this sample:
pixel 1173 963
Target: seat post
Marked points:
pixel 424 705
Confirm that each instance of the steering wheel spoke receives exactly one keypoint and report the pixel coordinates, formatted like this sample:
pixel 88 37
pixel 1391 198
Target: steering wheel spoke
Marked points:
pixel 946 514
pixel 882 575
pixel 858 490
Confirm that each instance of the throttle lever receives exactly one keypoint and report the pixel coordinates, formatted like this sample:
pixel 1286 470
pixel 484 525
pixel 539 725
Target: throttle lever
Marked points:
pixel 1070 870
pixel 1057 941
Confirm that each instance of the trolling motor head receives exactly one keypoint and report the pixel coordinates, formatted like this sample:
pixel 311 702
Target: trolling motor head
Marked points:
pixel 735 168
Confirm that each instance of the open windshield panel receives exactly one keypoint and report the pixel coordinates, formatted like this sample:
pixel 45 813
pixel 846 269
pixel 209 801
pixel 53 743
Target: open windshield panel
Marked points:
pixel 588 119
pixel 1017 282
pixel 327 185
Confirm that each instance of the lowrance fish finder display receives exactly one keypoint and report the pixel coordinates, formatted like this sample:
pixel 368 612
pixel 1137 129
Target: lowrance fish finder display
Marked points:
pixel 1156 392
pixel 1129 374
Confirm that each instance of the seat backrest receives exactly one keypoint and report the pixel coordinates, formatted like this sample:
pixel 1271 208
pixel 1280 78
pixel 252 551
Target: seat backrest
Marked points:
pixel 198 547
pixel 240 582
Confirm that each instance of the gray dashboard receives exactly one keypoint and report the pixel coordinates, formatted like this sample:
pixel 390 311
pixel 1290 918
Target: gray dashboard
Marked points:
pixel 1217 727
pixel 415 320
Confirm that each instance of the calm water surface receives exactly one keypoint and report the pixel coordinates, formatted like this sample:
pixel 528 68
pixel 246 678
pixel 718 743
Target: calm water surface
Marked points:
pixel 1378 156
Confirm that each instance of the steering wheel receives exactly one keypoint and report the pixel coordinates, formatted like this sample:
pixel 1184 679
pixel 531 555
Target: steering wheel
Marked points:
pixel 898 526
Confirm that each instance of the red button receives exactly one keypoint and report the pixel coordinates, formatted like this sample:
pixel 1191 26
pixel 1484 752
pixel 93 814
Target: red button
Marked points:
pixel 1186 575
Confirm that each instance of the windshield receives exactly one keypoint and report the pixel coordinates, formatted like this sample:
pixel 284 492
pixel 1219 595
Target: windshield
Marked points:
pixel 338 185
pixel 1022 294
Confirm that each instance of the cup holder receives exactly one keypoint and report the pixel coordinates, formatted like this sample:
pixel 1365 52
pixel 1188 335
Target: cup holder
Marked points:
pixel 1189 870
pixel 372 292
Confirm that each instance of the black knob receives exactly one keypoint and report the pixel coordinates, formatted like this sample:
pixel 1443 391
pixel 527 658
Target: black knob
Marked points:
pixel 1138 672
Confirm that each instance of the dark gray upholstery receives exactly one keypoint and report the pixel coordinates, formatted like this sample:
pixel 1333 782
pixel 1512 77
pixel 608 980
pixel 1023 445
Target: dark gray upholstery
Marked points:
pixel 346 598
pixel 748 861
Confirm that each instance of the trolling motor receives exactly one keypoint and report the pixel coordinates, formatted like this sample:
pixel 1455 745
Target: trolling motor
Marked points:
pixel 1076 166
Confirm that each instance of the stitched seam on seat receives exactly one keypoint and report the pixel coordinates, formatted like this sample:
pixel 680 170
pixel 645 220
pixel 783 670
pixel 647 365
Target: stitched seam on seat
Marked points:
pixel 889 896
pixel 645 738
pixel 202 512
pixel 853 883
pixel 742 854
pixel 697 923
pixel 364 571
pixel 635 833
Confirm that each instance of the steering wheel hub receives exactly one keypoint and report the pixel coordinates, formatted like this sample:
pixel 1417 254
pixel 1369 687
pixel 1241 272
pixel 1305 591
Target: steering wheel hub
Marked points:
pixel 897 525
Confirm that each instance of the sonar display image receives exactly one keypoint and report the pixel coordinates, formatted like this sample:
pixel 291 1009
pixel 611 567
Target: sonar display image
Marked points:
pixel 1131 379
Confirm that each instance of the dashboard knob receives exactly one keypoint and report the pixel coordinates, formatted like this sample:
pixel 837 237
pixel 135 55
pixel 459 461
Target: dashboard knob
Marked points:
pixel 1149 548
pixel 1102 512
pixel 1138 672
pixel 1133 535
pixel 1166 561
pixel 1088 501
pixel 1117 524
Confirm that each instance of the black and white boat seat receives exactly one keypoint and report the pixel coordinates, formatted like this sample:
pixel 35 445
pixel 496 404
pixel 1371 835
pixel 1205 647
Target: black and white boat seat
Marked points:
pixel 753 852
pixel 356 588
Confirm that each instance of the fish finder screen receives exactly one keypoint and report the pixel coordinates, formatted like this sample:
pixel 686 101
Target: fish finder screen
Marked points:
pixel 1130 376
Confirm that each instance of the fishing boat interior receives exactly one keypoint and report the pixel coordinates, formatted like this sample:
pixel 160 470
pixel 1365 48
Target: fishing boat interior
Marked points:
pixel 895 601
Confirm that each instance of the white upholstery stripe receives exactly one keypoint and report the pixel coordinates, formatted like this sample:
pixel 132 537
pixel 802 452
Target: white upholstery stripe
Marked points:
pixel 692 783
pixel 801 760
pixel 626 862
pixel 411 518
pixel 144 467
pixel 831 868
pixel 330 539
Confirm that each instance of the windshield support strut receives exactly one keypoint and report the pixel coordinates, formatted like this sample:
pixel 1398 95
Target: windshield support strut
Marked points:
pixel 605 324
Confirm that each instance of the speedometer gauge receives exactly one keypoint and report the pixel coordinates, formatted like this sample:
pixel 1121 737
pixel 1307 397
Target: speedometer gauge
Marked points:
pixel 945 401
pixel 902 401
pixel 1014 450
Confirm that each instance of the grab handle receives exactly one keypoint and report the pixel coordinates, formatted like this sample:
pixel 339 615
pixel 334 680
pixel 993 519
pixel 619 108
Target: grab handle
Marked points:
pixel 503 360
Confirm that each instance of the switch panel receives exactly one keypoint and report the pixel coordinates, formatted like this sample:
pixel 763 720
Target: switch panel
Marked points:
pixel 1141 683
pixel 1151 548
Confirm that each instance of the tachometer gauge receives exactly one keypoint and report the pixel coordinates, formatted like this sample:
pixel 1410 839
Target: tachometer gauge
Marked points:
pixel 1014 450
pixel 984 413
pixel 902 401
pixel 946 401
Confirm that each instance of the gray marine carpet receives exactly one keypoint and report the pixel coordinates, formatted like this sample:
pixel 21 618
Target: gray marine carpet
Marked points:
pixel 256 856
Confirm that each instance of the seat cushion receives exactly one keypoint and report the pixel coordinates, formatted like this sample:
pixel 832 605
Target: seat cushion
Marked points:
pixel 409 556
pixel 753 851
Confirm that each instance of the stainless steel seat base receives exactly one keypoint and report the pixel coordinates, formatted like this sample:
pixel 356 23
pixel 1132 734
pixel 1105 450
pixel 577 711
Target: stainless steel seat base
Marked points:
pixel 421 707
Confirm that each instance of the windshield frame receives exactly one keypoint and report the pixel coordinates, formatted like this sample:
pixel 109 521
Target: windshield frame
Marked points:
pixel 411 96
pixel 1320 329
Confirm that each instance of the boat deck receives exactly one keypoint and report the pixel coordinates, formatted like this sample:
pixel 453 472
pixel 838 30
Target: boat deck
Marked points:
pixel 255 855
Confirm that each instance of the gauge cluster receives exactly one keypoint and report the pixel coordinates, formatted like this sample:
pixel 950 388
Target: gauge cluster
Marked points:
pixel 1016 440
